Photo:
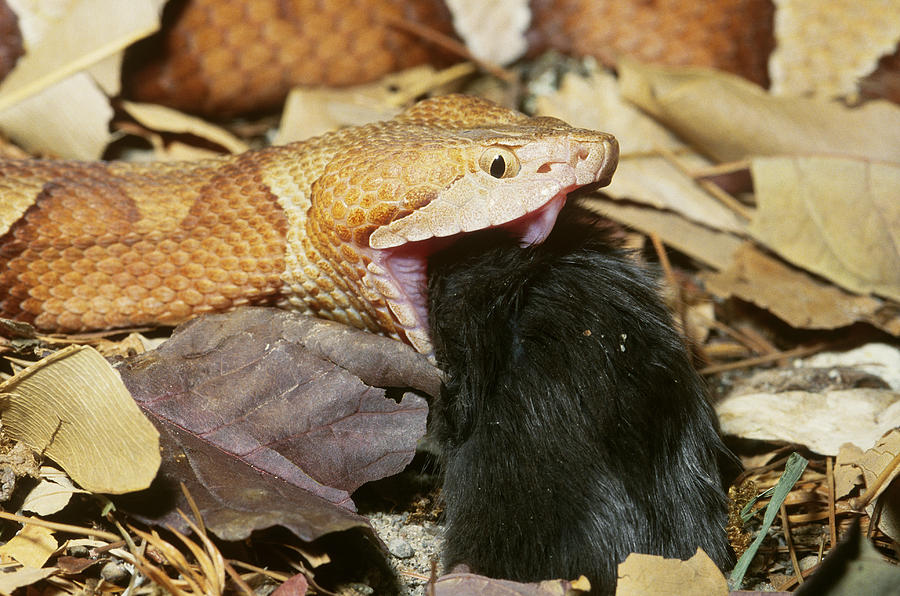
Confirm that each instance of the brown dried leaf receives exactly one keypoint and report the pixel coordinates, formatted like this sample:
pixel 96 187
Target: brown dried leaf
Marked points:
pixel 716 249
pixel 50 83
pixel 847 475
pixel 24 576
pixel 730 119
pixel 650 574
pixel 163 119
pixel 595 102
pixel 839 218
pixel 64 39
pixel 796 297
pixel 32 546
pixel 468 584
pixel 74 116
pixel 73 407
pixel 296 585
pixel 656 181
pixel 821 421
pixel 310 112
pixel 51 494
pixel 802 65
pixel 882 461
pixel 265 424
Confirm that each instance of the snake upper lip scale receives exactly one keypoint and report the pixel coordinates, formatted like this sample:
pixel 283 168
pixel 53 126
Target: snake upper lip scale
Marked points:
pixel 339 226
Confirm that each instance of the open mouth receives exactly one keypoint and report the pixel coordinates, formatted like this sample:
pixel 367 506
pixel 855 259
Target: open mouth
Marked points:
pixel 401 273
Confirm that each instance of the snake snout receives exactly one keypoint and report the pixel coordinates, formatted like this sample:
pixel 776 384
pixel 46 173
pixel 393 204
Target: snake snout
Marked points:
pixel 596 161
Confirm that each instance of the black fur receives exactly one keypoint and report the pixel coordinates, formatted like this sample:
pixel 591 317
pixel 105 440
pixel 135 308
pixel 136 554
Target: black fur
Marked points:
pixel 575 430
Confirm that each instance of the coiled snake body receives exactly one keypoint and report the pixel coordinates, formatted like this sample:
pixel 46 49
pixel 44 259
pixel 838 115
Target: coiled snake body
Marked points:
pixel 339 226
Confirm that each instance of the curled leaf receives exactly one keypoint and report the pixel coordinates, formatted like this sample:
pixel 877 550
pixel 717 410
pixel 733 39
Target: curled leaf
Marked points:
pixel 73 407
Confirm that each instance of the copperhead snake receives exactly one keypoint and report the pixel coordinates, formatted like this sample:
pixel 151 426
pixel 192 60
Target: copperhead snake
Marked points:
pixel 221 57
pixel 339 226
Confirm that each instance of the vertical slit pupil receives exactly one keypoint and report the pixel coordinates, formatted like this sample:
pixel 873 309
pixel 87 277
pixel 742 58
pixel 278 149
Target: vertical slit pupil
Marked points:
pixel 498 167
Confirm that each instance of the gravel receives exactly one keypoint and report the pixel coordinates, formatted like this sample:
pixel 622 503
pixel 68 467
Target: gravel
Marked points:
pixel 413 547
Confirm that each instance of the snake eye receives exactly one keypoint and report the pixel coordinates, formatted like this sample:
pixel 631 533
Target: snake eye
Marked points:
pixel 499 162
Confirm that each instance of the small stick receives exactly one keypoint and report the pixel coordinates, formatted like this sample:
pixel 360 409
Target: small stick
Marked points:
pixel 449 44
pixel 712 188
pixel 861 502
pixel 60 527
pixel 790 543
pixel 829 478
pixel 748 362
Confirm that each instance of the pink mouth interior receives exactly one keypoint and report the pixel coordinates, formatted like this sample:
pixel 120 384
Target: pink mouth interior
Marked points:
pixel 408 264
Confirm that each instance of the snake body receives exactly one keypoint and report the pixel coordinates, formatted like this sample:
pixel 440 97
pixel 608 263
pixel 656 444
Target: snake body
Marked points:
pixel 222 57
pixel 339 226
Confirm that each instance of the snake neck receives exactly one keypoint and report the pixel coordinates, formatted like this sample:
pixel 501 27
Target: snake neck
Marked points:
pixel 326 279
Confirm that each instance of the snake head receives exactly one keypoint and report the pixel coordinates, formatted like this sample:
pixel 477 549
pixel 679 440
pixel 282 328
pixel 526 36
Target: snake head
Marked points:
pixel 445 168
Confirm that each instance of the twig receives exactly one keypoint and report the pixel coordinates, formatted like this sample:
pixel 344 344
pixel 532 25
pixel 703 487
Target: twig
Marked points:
pixel 832 522
pixel 748 362
pixel 735 334
pixel 862 501
pixel 60 527
pixel 276 575
pixel 728 167
pixel 796 579
pixel 449 44
pixel 710 187
pixel 786 527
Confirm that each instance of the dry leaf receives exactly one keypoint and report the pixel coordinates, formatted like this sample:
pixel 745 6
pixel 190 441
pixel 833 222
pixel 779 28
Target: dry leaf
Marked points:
pixel 656 181
pixel 48 86
pixel 713 248
pixel 163 119
pixel 594 102
pixel 64 38
pixel 31 546
pixel 881 460
pixel 881 360
pixel 107 73
pixel 493 31
pixel 839 218
pixel 265 424
pixel 795 296
pixel 73 407
pixel 847 475
pixel 311 112
pixel 52 493
pixel 730 119
pixel 642 575
pixel 74 120
pixel 469 584
pixel 821 421
pixel 25 576
pixel 858 35
pixel 296 585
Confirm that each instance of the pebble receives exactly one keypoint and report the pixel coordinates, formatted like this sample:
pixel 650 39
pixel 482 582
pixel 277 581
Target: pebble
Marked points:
pixel 115 572
pixel 400 548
